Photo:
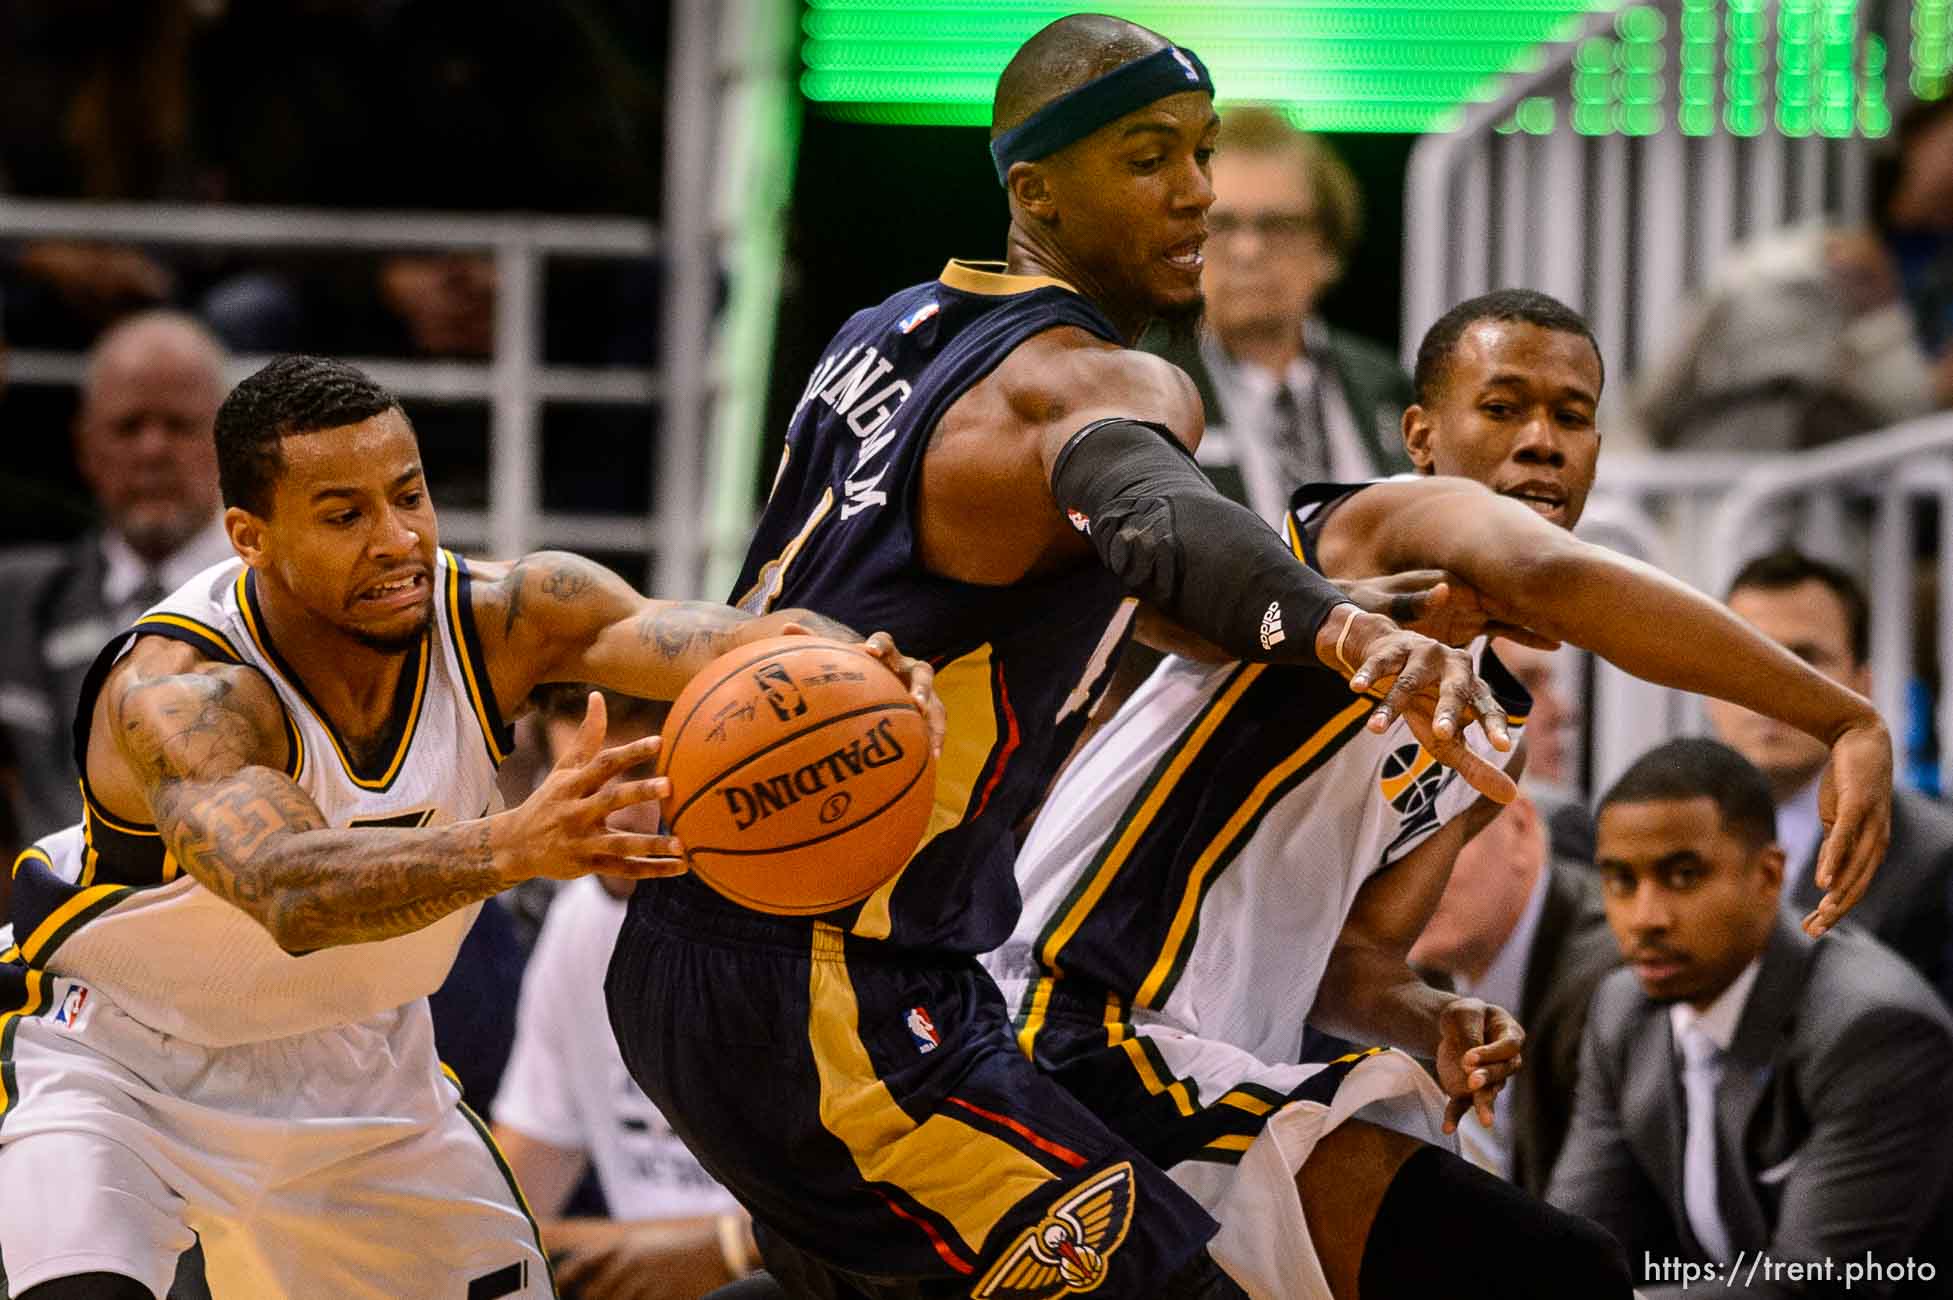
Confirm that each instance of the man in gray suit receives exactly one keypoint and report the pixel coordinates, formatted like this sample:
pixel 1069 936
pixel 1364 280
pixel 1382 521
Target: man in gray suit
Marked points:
pixel 1520 926
pixel 1819 613
pixel 1289 400
pixel 1750 1098
pixel 143 443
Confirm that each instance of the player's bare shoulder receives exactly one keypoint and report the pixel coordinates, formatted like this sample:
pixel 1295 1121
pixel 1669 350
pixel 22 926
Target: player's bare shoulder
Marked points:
pixel 166 713
pixel 988 470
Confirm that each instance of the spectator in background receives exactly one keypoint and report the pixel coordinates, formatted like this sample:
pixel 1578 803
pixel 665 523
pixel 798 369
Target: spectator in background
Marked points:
pixel 568 1103
pixel 1520 928
pixel 143 443
pixel 1289 400
pixel 1819 613
pixel 1743 1087
pixel 1811 334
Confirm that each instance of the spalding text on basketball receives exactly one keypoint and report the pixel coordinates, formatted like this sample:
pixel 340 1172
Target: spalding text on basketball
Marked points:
pixel 754 802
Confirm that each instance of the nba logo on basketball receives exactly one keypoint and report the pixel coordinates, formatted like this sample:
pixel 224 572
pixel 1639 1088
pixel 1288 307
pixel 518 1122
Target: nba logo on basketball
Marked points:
pixel 68 1014
pixel 923 1030
pixel 781 692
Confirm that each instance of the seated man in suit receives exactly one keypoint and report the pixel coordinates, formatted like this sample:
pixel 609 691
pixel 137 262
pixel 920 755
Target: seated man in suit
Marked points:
pixel 1819 613
pixel 1519 925
pixel 1743 1088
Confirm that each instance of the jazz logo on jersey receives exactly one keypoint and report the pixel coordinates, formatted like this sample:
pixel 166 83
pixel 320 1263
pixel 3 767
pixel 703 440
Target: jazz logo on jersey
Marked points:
pixel 923 1030
pixel 909 322
pixel 1069 1251
pixel 1410 780
pixel 74 1005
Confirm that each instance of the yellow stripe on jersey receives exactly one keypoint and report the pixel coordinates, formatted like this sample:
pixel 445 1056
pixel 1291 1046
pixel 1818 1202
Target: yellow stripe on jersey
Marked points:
pixel 385 779
pixel 34 1003
pixel 1143 816
pixel 966 688
pixel 214 639
pixel 1232 1142
pixel 1142 1061
pixel 45 933
pixel 772 577
pixel 979 277
pixel 92 809
pixel 24 855
pixel 1294 535
pixel 959 1172
pixel 1027 1037
pixel 1210 857
pixel 1247 1101
pixel 475 688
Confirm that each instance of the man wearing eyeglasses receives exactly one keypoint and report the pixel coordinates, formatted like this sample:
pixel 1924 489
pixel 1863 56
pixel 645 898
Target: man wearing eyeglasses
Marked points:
pixel 1289 401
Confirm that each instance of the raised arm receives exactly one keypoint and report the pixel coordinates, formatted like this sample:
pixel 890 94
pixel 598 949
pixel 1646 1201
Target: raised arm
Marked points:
pixel 203 745
pixel 557 617
pixel 1531 573
pixel 1369 993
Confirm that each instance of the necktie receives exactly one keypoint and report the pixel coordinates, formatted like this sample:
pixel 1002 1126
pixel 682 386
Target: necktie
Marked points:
pixel 1701 1073
pixel 148 593
pixel 1299 450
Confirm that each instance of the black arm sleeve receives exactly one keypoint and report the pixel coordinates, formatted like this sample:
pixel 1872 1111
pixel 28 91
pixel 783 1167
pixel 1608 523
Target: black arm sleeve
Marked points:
pixel 1180 545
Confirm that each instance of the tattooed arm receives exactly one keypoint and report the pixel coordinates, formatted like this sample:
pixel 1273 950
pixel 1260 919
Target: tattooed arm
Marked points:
pixel 557 617
pixel 203 747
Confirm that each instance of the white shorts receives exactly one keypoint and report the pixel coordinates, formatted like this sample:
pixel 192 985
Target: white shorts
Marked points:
pixel 1264 1241
pixel 337 1163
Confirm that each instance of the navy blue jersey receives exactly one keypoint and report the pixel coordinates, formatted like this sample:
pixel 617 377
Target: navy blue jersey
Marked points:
pixel 1017 666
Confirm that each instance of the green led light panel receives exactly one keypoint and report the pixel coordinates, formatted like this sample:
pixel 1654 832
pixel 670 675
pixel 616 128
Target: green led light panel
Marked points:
pixel 1742 67
pixel 1336 65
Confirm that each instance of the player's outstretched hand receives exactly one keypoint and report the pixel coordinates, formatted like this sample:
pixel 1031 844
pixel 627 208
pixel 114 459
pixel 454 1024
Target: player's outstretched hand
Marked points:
pixel 1441 606
pixel 1478 1050
pixel 1435 689
pixel 920 678
pixel 560 830
pixel 1854 801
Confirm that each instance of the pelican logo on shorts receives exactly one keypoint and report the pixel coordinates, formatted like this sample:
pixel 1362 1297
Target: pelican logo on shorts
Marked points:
pixel 923 1030
pixel 1069 1251
pixel 73 1008
pixel 780 690
pixel 755 801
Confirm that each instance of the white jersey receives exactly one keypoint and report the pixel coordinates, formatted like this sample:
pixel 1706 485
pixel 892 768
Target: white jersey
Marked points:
pixel 1194 864
pixel 104 902
pixel 567 1084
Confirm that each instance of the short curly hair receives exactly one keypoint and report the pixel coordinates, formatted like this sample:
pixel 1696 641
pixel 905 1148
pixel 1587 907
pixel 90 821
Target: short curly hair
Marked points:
pixel 293 394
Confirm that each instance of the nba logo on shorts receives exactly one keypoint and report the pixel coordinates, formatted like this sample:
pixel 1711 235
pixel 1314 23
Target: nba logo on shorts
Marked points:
pixel 923 1030
pixel 73 1003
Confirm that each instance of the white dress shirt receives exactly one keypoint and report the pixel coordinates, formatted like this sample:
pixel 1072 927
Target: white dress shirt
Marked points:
pixel 1798 827
pixel 1248 398
pixel 1502 985
pixel 126 572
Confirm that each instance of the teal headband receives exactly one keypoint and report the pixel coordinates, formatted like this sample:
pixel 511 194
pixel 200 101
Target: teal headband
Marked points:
pixel 1077 114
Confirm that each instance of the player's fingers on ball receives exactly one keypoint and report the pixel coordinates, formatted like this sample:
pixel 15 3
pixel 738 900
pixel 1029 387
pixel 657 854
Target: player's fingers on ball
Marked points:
pixel 637 844
pixel 628 794
pixel 881 645
pixel 619 759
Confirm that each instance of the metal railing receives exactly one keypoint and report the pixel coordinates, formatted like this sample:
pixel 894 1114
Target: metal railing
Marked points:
pixel 514 383
pixel 1620 227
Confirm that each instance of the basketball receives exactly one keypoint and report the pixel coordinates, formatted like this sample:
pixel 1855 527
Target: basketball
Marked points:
pixel 801 774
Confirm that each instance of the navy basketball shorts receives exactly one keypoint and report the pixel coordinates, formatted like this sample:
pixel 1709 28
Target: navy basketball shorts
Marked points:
pixel 872 1110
